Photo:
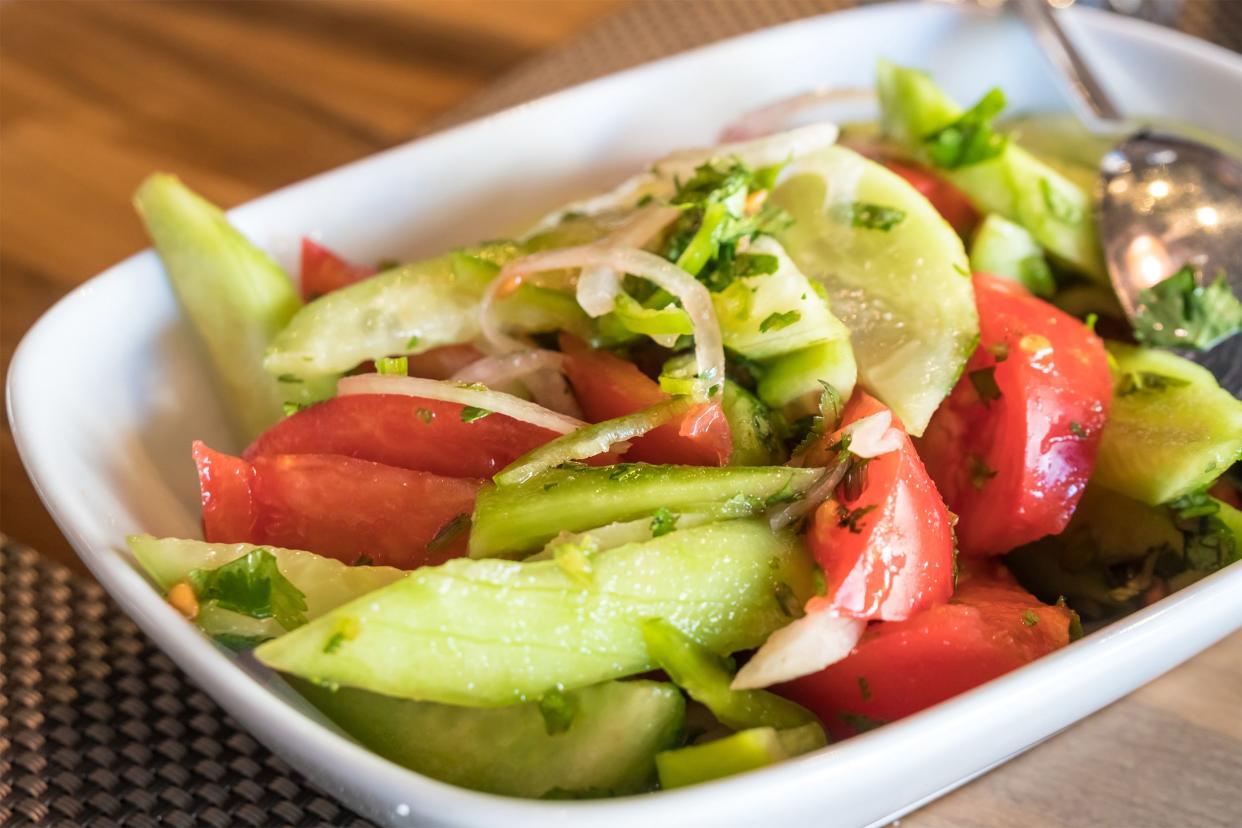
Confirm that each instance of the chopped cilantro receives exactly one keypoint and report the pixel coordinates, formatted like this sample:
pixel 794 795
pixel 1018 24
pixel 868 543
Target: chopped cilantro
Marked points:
pixel 625 471
pixel 288 378
pixel 849 518
pixel 1136 382
pixel 872 216
pixel 1076 429
pixel 347 629
pixel 252 585
pixel 1209 542
pixel 979 471
pixel 292 408
pixel 786 494
pixel 363 560
pixel 558 711
pixel 426 414
pixel 449 532
pixel 411 343
pixel 1091 320
pixel 393 365
pixel 1030 618
pixel 663 522
pixel 1180 313
pixel 830 405
pixel 1058 204
pixel 776 321
pixel 861 723
pixel 984 381
pixel 471 413
pixel 970 139
pixel 864 688
pixel 855 480
pixel 961 270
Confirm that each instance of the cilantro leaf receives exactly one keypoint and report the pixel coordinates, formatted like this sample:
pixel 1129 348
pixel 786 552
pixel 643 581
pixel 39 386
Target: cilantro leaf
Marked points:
pixel 1180 313
pixel 663 522
pixel 777 321
pixel 471 413
pixel 558 711
pixel 980 473
pixel 970 139
pixel 861 723
pixel 1209 542
pixel 872 216
pixel 252 585
pixel 449 532
pixel 1138 382
pixel 984 381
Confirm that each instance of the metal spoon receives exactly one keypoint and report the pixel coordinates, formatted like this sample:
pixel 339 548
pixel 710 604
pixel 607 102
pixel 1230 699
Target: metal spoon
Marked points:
pixel 1164 200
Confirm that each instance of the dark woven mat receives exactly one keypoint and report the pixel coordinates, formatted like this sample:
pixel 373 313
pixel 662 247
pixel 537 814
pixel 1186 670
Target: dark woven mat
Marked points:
pixel 99 728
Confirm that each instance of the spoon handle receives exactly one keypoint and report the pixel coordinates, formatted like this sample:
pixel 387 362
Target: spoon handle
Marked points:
pixel 1093 103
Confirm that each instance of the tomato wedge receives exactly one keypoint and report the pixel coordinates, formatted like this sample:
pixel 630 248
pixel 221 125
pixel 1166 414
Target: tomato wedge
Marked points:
pixel 607 386
pixel 990 627
pixel 887 548
pixel 324 271
pixel 335 506
pixel 406 432
pixel 1013 445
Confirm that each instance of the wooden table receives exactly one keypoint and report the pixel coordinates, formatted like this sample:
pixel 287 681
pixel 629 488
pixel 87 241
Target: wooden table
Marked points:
pixel 241 98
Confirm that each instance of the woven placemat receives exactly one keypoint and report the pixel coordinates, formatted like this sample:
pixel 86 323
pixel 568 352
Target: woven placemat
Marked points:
pixel 99 728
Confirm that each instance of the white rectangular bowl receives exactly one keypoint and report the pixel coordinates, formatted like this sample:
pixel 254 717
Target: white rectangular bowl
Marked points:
pixel 107 390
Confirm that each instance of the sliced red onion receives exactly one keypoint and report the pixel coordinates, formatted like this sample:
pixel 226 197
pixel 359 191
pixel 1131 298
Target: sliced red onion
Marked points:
pixel 478 397
pixel 697 302
pixel 755 153
pixel 495 371
pixel 820 491
pixel 806 646
pixel 873 435
pixel 776 116
pixel 598 287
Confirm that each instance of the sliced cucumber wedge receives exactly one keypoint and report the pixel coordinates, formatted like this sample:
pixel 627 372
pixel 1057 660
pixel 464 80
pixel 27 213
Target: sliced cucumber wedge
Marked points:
pixel 602 742
pixel 492 632
pixel 1171 429
pixel 904 292
pixel 235 296
pixel 1003 248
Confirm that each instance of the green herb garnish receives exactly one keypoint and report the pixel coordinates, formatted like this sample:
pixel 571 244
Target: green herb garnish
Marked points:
pixel 970 139
pixel 558 711
pixel 984 381
pixel 1076 429
pixel 872 216
pixel 449 532
pixel 392 366
pixel 864 688
pixel 849 518
pixel 1030 618
pixel 252 585
pixel 1137 382
pixel 663 522
pixel 1180 313
pixel 861 723
pixel 979 471
pixel 471 413
pixel 776 321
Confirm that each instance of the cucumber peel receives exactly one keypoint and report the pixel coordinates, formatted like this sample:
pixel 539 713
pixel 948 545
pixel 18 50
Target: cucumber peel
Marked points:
pixel 740 752
pixel 511 520
pixel 1171 429
pixel 493 632
pixel 235 296
pixel 607 749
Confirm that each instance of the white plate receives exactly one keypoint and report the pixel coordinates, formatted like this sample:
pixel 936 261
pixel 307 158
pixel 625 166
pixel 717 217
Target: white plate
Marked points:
pixel 106 392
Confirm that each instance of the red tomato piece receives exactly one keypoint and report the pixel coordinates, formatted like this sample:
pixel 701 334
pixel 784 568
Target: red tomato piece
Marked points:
pixel 226 487
pixel 336 506
pixel 948 200
pixel 990 627
pixel 324 271
pixel 406 432
pixel 1013 445
pixel 607 386
pixel 888 552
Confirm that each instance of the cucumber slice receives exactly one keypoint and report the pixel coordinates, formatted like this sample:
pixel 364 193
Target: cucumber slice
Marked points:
pixel 1003 248
pixel 326 583
pixel 747 750
pixel 510 520
pixel 1171 430
pixel 755 442
pixel 608 748
pixel 407 310
pixel 706 678
pixel 1120 528
pixel 1014 184
pixel 793 382
pixel 235 296
pixel 491 632
pixel 776 313
pixel 904 293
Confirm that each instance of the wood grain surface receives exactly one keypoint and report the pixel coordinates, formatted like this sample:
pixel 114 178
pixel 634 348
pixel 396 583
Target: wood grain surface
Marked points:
pixel 241 98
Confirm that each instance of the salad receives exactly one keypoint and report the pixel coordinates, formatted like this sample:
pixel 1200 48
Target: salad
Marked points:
pixel 777 442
